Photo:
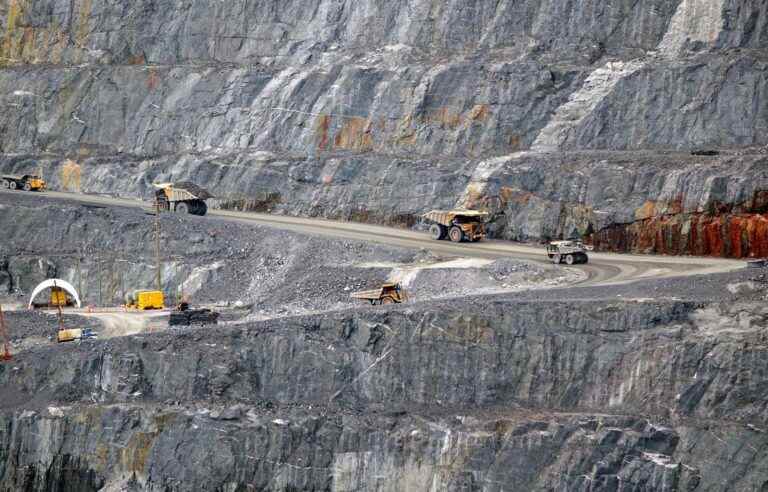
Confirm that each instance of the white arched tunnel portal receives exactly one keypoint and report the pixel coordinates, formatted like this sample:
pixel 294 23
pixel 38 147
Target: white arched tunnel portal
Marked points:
pixel 55 283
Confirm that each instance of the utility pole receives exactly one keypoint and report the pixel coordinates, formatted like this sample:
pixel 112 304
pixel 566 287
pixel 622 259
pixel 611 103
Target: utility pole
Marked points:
pixel 98 264
pixel 80 278
pixel 6 355
pixel 182 285
pixel 158 269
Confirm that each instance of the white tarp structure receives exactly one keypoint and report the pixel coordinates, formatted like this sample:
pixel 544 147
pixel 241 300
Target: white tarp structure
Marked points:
pixel 58 283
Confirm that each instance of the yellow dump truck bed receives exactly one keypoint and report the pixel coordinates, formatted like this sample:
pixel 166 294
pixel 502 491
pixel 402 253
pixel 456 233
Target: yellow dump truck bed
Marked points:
pixel 368 294
pixel 445 217
pixel 387 294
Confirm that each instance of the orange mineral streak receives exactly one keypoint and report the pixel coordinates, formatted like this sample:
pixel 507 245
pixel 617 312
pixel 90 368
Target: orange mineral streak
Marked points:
pixel 713 238
pixel 322 125
pixel 479 112
pixel 356 134
pixel 724 229
pixel 444 118
pixel 727 235
pixel 734 237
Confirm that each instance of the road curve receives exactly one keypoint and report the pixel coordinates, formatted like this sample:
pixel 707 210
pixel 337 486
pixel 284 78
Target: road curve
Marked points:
pixel 603 268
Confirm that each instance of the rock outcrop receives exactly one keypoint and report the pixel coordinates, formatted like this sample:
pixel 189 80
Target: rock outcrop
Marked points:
pixel 376 112
pixel 649 396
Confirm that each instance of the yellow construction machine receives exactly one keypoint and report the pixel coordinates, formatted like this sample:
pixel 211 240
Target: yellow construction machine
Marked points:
pixel 59 297
pixel 66 335
pixel 144 300
pixel 457 225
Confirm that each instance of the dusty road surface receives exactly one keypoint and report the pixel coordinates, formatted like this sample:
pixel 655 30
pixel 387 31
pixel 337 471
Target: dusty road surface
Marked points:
pixel 603 269
pixel 121 323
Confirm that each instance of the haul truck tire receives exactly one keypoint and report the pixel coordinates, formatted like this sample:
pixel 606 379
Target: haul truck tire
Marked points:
pixel 437 232
pixel 456 234
pixel 199 208
pixel 182 208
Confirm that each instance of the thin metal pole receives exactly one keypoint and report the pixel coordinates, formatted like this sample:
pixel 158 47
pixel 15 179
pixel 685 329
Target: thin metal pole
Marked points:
pixel 182 283
pixel 98 267
pixel 158 270
pixel 122 282
pixel 80 278
pixel 58 309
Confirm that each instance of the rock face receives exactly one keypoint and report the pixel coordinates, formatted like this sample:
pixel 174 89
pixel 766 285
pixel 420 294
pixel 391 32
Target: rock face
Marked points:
pixel 428 398
pixel 639 125
pixel 377 112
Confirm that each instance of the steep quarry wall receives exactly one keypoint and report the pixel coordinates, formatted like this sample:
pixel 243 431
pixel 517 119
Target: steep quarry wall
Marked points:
pixel 427 397
pixel 376 112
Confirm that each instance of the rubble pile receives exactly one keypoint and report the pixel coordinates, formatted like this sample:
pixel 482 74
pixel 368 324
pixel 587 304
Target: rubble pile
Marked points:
pixel 192 317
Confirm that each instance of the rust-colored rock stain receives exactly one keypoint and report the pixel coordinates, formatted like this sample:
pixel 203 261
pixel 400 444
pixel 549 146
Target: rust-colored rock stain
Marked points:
pixel 139 59
pixel 356 134
pixel 25 44
pixel 444 118
pixel 730 230
pixel 729 235
pixel 153 80
pixel 322 126
pixel 479 112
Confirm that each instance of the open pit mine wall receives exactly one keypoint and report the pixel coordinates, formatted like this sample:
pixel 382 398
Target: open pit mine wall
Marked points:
pixel 440 398
pixel 571 118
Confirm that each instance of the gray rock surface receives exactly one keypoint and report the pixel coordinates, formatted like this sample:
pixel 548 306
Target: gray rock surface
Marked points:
pixel 562 118
pixel 420 395
pixel 378 112
pixel 289 450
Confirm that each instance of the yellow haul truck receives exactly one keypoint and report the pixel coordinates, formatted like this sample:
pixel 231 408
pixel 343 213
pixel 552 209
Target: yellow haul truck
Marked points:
pixel 26 182
pixel 389 293
pixel 457 225
pixel 183 197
